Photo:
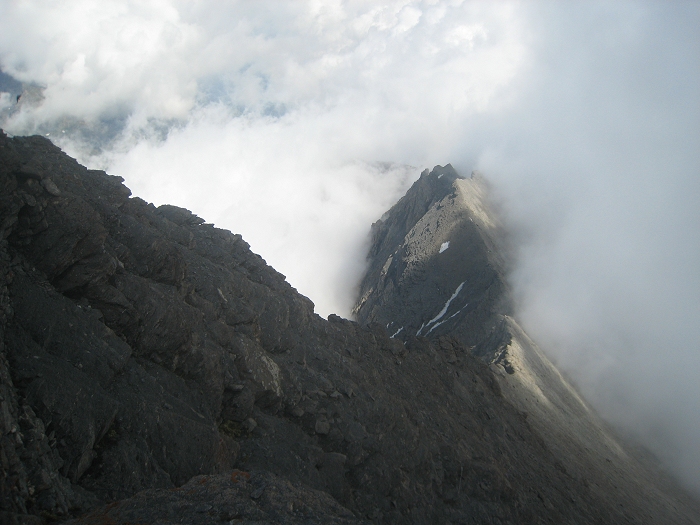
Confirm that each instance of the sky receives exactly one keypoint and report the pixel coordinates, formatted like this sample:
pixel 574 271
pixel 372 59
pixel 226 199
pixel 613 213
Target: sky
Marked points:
pixel 297 124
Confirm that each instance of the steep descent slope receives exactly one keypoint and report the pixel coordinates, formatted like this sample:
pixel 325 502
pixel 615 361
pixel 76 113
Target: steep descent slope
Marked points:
pixel 141 348
pixel 442 274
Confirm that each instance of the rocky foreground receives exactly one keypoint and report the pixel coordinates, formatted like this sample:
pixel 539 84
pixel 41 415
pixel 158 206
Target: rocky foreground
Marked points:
pixel 154 370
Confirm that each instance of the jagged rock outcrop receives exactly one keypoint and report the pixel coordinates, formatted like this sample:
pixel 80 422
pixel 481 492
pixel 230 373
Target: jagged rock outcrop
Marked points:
pixel 437 264
pixel 142 349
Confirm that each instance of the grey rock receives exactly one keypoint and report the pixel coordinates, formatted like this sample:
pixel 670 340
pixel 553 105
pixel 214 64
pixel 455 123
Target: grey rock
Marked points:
pixel 136 342
pixel 49 186
pixel 250 424
pixel 322 427
pixel 240 497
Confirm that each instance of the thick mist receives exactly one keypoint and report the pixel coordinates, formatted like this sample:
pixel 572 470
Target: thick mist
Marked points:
pixel 599 174
pixel 298 124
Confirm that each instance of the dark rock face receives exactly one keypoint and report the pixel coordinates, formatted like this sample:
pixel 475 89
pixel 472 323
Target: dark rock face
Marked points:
pixel 238 497
pixel 436 264
pixel 142 349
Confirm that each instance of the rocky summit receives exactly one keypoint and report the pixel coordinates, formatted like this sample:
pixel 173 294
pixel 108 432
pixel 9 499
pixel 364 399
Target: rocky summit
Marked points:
pixel 154 370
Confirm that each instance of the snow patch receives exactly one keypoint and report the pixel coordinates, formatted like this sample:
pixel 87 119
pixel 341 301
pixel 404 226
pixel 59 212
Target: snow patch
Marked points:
pixel 443 311
pixel 444 246
pixel 397 332
pixel 450 317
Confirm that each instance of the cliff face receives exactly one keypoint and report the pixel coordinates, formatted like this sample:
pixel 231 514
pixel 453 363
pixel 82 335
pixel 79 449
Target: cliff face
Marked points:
pixel 437 264
pixel 141 348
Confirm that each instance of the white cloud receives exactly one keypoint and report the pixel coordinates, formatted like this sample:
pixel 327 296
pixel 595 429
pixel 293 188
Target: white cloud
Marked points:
pixel 273 119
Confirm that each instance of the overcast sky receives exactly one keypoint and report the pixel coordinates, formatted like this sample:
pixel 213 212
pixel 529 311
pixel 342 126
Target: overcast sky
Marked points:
pixel 298 124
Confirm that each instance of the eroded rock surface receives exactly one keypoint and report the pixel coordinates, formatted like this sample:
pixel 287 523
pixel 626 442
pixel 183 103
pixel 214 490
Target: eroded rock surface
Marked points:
pixel 245 498
pixel 142 349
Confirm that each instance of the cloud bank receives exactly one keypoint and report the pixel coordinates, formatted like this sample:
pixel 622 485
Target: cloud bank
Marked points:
pixel 298 123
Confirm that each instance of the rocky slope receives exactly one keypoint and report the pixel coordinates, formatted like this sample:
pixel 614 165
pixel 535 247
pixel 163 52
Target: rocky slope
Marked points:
pixel 440 247
pixel 437 267
pixel 153 369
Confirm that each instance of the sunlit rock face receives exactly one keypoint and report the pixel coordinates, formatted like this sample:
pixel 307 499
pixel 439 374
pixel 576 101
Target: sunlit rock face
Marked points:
pixel 154 370
pixel 437 263
pixel 438 269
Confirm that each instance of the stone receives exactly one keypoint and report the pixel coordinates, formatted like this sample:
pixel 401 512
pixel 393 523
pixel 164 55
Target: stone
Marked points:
pixel 51 187
pixel 322 427
pixel 250 424
pixel 259 487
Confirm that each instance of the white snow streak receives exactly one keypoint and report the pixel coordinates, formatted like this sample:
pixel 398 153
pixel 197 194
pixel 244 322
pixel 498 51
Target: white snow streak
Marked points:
pixel 444 246
pixel 450 317
pixel 444 309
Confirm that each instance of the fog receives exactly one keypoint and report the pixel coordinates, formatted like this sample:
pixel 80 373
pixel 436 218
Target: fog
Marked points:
pixel 298 124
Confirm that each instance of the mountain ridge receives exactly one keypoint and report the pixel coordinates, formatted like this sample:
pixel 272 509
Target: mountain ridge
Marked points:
pixel 152 368
pixel 459 249
pixel 425 257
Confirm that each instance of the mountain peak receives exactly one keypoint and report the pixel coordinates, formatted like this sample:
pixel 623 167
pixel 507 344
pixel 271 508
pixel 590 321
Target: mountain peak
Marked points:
pixel 412 274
